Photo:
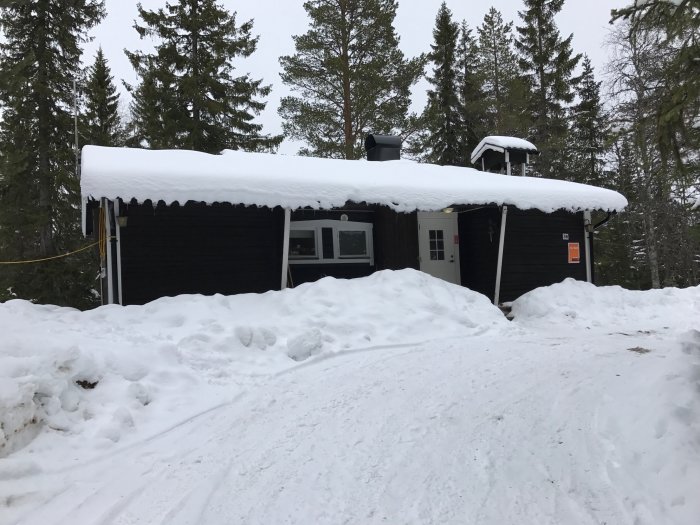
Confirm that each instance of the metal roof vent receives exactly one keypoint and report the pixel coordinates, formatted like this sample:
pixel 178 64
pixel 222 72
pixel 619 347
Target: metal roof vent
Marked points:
pixel 383 147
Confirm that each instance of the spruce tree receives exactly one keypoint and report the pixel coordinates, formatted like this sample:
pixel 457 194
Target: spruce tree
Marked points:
pixel 101 125
pixel 39 190
pixel 590 131
pixel 189 97
pixel 349 76
pixel 442 118
pixel 504 91
pixel 470 95
pixel 547 62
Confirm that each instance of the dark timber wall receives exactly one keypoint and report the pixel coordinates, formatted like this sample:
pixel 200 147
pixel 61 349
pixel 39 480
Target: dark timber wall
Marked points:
pixel 199 248
pixel 536 254
pixel 479 231
pixel 395 239
pixel 535 251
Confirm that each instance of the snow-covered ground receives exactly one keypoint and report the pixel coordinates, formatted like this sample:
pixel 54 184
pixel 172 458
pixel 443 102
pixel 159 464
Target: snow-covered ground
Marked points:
pixel 397 398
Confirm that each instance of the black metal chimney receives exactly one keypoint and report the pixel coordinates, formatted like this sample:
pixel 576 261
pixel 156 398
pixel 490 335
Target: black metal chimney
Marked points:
pixel 383 147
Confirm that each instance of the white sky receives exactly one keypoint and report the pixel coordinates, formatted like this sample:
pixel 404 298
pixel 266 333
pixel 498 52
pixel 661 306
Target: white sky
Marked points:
pixel 277 20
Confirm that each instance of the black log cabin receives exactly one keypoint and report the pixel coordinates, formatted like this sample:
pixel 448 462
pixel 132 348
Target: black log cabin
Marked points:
pixel 156 245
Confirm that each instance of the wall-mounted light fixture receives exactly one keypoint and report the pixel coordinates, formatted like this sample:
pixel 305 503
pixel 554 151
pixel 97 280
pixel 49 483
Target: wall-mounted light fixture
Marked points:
pixel 448 210
pixel 122 220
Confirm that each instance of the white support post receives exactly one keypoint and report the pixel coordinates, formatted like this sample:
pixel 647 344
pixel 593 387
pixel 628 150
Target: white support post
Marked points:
pixel 285 248
pixel 499 268
pixel 119 251
pixel 108 243
pixel 483 167
pixel 587 244
pixel 508 171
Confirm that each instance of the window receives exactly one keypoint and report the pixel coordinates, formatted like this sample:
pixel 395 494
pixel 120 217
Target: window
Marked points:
pixel 352 243
pixel 437 245
pixel 302 244
pixel 330 242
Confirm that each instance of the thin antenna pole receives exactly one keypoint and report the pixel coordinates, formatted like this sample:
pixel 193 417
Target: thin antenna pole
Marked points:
pixel 75 120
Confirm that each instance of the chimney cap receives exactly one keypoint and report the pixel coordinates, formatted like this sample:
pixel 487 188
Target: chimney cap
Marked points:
pixel 385 141
pixel 383 147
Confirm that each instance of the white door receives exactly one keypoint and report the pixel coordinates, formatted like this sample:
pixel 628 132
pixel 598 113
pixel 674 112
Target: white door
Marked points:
pixel 438 245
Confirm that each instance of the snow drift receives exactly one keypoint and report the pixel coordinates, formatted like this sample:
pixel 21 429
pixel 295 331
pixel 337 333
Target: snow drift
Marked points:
pixel 585 305
pixel 97 372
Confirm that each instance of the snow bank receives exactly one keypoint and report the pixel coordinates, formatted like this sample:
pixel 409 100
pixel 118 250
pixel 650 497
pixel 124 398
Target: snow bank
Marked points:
pixel 99 373
pixel 584 305
pixel 263 179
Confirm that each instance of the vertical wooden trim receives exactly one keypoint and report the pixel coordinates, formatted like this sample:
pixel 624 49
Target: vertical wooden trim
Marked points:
pixel 83 215
pixel 508 171
pixel 108 248
pixel 587 244
pixel 119 252
pixel 285 247
pixel 499 268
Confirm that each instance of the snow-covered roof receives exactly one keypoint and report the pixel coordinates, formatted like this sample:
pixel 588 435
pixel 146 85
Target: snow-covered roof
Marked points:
pixel 499 143
pixel 265 179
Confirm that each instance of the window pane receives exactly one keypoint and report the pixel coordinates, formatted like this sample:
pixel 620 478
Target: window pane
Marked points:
pixel 302 243
pixel 352 244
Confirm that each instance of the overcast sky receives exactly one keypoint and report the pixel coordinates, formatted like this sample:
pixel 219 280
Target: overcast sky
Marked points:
pixel 275 21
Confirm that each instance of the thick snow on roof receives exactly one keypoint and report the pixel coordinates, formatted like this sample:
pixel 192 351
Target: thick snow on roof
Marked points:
pixel 290 181
pixel 501 143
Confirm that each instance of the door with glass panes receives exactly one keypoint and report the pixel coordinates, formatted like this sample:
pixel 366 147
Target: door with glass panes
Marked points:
pixel 438 245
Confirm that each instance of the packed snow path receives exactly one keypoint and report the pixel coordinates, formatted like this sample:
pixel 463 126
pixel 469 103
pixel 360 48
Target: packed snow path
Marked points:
pixel 396 398
pixel 488 430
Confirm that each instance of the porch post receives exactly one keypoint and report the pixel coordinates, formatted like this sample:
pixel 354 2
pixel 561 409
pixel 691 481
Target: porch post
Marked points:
pixel 499 268
pixel 117 213
pixel 285 248
pixel 108 249
pixel 587 243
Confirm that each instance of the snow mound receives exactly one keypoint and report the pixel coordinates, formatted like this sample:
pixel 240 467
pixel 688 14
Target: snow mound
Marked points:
pixel 98 374
pixel 587 306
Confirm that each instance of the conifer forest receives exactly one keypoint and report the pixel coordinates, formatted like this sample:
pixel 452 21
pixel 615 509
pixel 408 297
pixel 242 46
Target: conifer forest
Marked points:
pixel 632 126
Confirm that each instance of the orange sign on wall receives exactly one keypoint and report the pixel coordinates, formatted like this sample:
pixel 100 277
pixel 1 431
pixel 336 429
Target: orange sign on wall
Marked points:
pixel 574 253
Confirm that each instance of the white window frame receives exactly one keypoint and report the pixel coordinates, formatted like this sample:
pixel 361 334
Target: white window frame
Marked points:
pixel 337 226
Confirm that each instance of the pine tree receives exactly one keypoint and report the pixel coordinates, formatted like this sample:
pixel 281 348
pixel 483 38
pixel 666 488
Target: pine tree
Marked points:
pixel 547 62
pixel 590 131
pixel 101 125
pixel 504 91
pixel 442 119
pixel 39 191
pixel 189 97
pixel 350 76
